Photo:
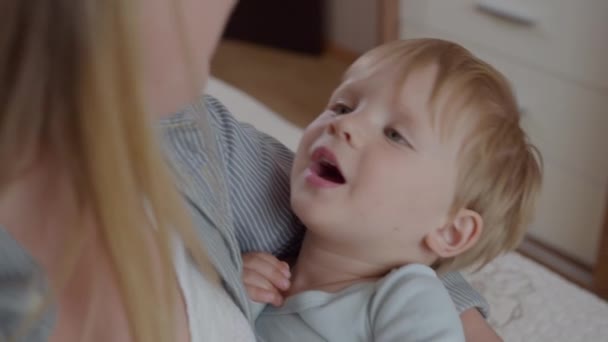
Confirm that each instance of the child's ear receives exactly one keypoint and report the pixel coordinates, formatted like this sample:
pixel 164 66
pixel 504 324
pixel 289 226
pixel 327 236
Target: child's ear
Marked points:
pixel 456 236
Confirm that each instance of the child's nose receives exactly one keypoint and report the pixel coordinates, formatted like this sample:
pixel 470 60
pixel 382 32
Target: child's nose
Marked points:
pixel 337 129
pixel 346 128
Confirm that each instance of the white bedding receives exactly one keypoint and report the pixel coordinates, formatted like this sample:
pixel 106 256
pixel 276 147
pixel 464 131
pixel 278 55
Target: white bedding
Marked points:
pixel 527 301
pixel 530 303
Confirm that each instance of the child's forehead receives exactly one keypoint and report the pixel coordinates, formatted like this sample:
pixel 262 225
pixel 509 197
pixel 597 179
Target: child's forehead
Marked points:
pixel 416 91
pixel 410 88
pixel 395 75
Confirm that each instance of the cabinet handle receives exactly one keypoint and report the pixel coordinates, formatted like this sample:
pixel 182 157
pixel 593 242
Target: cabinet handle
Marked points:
pixel 507 10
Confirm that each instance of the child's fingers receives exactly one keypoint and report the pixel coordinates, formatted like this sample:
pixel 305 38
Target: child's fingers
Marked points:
pixel 270 270
pixel 270 259
pixel 252 277
pixel 261 295
pixel 281 265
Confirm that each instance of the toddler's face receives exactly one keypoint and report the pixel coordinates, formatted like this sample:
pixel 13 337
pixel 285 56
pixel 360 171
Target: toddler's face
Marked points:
pixel 372 172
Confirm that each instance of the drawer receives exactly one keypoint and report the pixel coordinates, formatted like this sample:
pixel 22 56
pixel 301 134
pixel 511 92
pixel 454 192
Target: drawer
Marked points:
pixel 569 213
pixel 566 121
pixel 567 39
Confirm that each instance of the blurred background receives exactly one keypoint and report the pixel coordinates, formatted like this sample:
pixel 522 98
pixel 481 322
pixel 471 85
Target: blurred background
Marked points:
pixel 289 55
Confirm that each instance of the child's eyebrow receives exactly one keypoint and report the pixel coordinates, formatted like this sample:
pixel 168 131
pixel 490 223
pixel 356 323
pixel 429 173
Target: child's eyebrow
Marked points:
pixel 346 89
pixel 404 112
pixel 408 118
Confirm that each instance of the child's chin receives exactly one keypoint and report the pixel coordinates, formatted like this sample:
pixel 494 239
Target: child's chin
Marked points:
pixel 311 213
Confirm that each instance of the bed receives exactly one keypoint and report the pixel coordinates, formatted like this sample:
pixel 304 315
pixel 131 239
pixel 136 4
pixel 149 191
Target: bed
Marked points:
pixel 527 301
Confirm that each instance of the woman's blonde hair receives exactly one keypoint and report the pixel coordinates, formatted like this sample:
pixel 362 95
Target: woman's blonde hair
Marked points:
pixel 69 88
pixel 500 171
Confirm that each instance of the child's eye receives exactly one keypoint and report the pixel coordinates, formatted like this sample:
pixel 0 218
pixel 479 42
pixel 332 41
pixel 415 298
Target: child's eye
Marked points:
pixel 340 109
pixel 394 136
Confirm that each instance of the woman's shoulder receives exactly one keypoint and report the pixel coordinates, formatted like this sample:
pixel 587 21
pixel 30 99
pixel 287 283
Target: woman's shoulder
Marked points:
pixel 22 285
pixel 13 257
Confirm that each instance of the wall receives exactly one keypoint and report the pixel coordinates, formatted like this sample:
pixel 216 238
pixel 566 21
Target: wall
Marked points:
pixel 351 24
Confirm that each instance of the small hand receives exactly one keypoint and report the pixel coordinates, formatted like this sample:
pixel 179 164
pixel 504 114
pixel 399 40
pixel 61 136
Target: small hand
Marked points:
pixel 265 277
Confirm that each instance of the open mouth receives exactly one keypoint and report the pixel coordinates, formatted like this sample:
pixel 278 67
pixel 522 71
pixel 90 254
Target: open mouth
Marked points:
pixel 326 166
pixel 329 172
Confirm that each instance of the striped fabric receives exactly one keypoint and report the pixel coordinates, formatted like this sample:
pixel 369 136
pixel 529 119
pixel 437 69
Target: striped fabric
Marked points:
pixel 257 168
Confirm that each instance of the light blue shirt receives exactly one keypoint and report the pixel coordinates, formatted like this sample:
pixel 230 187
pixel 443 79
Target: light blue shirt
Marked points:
pixel 409 304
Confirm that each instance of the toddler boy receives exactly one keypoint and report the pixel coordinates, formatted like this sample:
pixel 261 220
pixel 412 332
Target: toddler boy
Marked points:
pixel 418 165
